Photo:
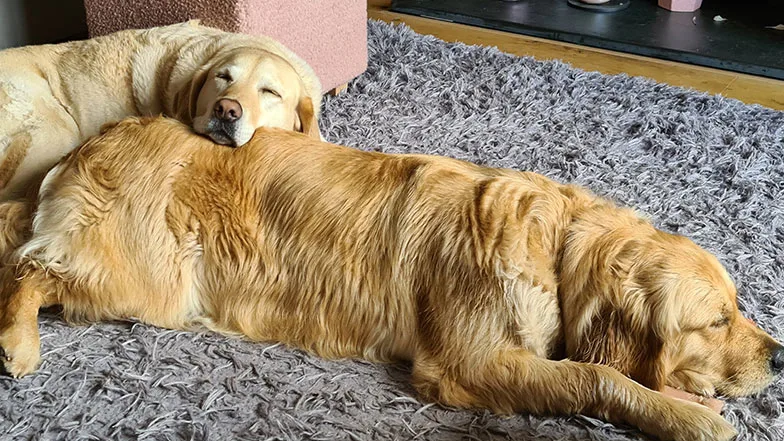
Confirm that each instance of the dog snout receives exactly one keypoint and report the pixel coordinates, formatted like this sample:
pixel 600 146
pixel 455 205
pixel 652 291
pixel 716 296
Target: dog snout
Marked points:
pixel 228 110
pixel 777 359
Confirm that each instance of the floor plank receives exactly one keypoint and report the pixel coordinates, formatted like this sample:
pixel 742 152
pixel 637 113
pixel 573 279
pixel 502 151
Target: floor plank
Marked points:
pixel 747 88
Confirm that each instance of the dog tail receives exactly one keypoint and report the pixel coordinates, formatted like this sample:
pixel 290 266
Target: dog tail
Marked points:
pixel 15 227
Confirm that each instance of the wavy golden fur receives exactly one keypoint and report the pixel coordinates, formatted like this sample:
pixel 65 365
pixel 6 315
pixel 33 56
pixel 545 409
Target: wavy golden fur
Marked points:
pixel 481 277
pixel 55 97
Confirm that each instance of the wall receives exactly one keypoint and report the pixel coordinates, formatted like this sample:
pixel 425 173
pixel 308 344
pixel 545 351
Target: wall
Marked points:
pixel 24 22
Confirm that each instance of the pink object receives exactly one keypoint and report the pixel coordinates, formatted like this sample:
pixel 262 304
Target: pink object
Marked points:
pixel 714 404
pixel 681 5
pixel 331 35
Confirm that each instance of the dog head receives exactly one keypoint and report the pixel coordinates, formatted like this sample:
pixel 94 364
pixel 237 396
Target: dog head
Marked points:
pixel 658 308
pixel 246 88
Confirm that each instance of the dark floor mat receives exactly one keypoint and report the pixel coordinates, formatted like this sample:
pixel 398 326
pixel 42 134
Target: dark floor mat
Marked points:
pixel 745 42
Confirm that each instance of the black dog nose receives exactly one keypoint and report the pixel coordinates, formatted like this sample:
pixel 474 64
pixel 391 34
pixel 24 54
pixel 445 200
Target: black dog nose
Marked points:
pixel 228 110
pixel 777 359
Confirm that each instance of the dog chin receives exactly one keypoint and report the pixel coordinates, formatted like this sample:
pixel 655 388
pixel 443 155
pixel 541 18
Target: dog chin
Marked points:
pixel 220 137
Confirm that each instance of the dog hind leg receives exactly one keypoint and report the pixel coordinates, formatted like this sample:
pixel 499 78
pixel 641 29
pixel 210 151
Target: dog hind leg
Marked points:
pixel 19 339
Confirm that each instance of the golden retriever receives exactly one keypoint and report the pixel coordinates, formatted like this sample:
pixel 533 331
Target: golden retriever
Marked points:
pixel 54 97
pixel 483 278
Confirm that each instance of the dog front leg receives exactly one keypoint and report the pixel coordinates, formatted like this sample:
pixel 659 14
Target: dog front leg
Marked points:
pixel 515 380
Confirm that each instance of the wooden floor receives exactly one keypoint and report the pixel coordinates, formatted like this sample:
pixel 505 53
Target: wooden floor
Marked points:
pixel 747 88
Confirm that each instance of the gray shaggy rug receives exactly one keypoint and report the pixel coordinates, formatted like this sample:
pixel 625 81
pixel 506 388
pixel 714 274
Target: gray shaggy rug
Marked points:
pixel 705 166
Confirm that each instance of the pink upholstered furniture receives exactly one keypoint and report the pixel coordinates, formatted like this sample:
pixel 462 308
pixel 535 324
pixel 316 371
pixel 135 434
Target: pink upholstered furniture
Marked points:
pixel 331 35
pixel 681 5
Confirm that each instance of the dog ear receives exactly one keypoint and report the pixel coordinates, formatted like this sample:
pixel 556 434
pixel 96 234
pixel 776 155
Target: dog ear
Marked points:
pixel 306 119
pixel 650 306
pixel 619 314
pixel 187 97
pixel 636 353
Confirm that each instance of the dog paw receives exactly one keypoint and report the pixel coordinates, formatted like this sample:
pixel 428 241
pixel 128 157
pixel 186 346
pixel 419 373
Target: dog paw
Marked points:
pixel 20 350
pixel 692 422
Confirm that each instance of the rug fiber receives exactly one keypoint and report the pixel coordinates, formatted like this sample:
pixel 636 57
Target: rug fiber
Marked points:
pixel 705 166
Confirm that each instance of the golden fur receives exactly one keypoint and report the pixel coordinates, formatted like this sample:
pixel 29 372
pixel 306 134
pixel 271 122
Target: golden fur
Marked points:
pixel 54 97
pixel 481 277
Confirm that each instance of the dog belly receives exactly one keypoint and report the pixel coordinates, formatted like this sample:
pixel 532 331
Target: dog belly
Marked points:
pixel 334 324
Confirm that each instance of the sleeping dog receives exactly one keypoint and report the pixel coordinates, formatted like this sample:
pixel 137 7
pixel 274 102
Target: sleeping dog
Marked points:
pixel 482 278
pixel 54 97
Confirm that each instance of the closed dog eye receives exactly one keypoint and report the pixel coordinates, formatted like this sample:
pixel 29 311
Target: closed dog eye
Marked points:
pixel 265 90
pixel 721 323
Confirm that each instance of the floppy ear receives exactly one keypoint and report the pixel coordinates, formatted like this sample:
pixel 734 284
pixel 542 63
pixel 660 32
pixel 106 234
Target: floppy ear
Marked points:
pixel 619 316
pixel 636 352
pixel 187 97
pixel 650 297
pixel 306 118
